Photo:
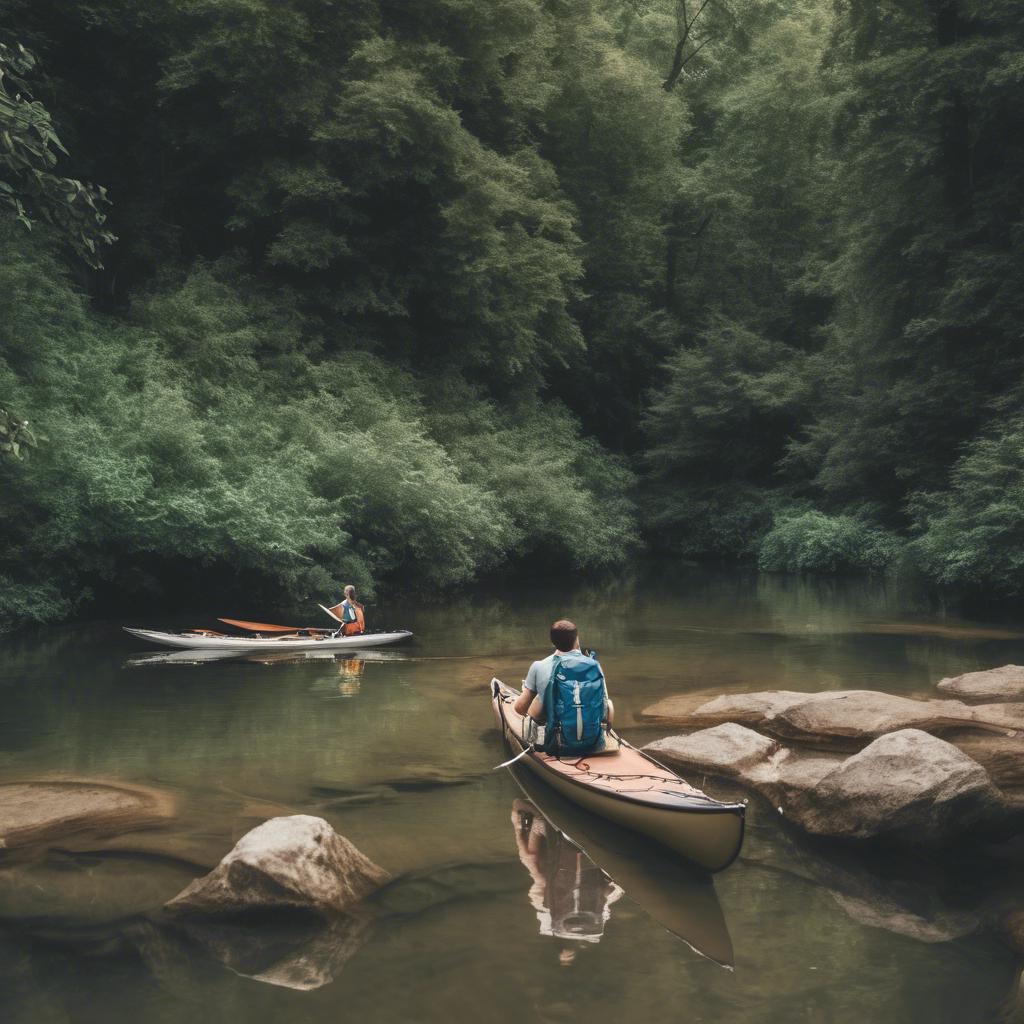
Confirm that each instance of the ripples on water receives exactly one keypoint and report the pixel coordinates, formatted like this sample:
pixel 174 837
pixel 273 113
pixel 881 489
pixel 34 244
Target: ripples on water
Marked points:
pixel 495 915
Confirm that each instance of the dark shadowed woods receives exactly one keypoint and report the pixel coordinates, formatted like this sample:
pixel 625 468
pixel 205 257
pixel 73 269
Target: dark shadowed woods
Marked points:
pixel 298 293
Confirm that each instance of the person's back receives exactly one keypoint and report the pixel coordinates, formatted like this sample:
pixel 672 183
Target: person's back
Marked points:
pixel 567 692
pixel 349 613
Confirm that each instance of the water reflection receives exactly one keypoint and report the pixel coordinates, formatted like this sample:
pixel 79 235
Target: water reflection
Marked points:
pixel 571 895
pixel 293 952
pixel 581 865
pixel 200 657
pixel 350 674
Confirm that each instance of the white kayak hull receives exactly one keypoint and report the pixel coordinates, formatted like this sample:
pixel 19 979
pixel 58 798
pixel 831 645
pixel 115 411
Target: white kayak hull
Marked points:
pixel 253 643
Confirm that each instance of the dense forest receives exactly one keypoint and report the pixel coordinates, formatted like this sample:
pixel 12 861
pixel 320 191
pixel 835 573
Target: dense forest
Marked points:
pixel 302 292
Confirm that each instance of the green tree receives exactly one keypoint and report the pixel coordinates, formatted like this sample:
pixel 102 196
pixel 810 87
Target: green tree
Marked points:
pixel 30 188
pixel 752 233
pixel 927 331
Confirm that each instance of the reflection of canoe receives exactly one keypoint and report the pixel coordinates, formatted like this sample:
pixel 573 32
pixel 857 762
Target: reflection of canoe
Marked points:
pixel 680 898
pixel 319 642
pixel 632 790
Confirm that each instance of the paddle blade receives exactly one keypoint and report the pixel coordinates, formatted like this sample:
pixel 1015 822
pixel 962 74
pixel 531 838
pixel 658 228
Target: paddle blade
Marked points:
pixel 259 627
pixel 335 612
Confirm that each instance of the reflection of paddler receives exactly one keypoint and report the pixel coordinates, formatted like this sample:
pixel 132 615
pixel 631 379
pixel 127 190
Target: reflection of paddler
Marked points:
pixel 350 671
pixel 679 898
pixel 570 893
pixel 349 613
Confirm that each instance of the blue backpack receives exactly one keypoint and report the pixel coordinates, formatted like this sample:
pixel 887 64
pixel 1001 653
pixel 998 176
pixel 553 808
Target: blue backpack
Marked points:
pixel 574 704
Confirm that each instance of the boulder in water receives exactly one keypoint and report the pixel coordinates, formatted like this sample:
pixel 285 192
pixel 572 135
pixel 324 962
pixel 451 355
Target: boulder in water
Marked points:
pixel 291 863
pixel 995 684
pixel 907 785
pixel 837 719
pixel 728 749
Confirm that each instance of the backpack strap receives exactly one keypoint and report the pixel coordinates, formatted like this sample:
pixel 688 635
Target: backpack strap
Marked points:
pixel 550 724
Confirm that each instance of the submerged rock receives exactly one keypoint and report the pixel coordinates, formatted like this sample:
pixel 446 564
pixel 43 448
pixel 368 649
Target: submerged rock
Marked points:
pixel 1011 927
pixel 420 777
pixel 42 810
pixel 291 863
pixel 994 684
pixel 424 891
pixel 76 890
pixel 907 785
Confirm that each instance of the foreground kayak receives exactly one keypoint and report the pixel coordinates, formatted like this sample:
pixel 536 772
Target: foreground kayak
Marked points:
pixel 632 790
pixel 206 641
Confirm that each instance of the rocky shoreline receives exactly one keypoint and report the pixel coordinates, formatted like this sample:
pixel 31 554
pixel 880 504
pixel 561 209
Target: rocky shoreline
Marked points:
pixel 859 764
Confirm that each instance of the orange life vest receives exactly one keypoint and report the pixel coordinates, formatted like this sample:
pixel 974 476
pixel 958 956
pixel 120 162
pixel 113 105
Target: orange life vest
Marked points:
pixel 357 627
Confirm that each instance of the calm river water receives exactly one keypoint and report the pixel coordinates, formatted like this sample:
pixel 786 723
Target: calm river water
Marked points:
pixel 494 916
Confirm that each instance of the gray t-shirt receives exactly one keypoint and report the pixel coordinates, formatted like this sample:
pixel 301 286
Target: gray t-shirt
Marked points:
pixel 539 676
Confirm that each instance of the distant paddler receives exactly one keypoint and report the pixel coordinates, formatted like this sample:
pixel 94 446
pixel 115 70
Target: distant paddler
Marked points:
pixel 349 613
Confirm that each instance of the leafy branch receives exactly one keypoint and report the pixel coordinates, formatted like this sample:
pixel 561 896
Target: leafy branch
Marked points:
pixel 681 58
pixel 29 148
pixel 15 436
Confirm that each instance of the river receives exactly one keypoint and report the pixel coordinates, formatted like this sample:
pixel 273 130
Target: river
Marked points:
pixel 494 915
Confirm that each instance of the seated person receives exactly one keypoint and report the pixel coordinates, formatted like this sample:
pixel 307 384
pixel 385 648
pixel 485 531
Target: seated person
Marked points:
pixel 575 710
pixel 349 613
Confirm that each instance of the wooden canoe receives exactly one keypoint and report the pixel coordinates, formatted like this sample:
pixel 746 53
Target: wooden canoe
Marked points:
pixel 632 790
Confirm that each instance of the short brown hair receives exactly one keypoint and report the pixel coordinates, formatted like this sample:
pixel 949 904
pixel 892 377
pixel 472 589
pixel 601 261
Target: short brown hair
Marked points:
pixel 564 634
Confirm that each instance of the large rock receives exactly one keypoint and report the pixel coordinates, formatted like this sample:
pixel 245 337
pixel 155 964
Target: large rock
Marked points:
pixel 727 749
pixel 840 719
pixel 734 751
pixel 994 684
pixel 856 715
pixel 907 786
pixel 43 810
pixel 1001 756
pixel 750 709
pixel 290 863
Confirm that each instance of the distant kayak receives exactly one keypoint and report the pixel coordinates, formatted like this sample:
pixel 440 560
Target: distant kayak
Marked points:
pixel 302 640
pixel 633 790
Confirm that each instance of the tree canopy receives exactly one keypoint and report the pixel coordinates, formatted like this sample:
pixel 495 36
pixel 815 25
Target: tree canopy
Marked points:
pixel 405 293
